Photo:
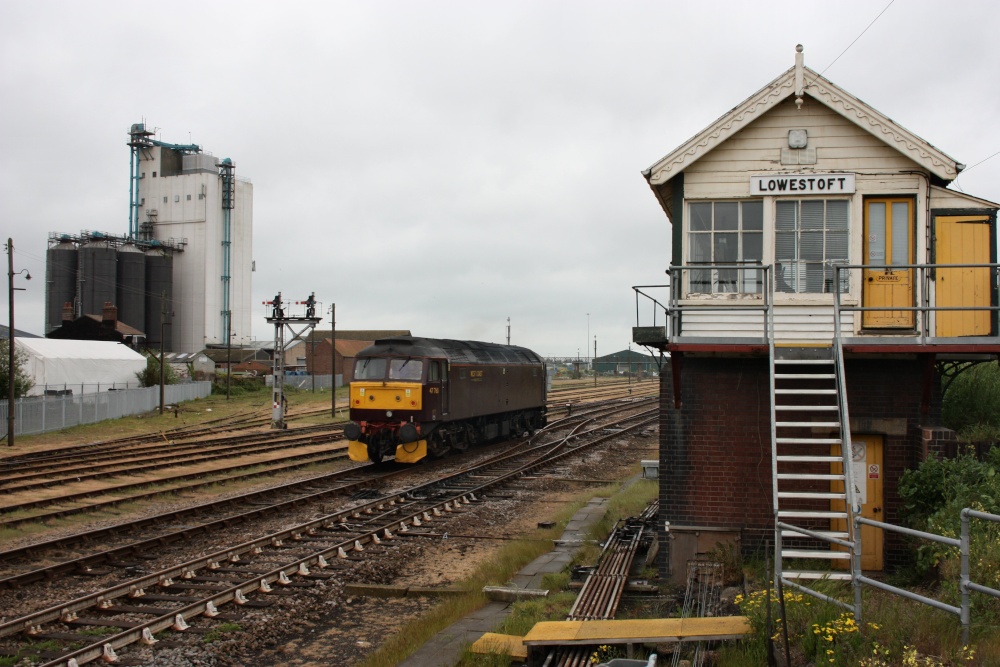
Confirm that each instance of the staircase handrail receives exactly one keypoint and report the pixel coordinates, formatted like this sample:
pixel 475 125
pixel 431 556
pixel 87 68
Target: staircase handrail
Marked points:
pixel 846 450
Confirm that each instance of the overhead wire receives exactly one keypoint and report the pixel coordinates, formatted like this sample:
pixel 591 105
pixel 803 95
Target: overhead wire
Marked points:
pixel 858 37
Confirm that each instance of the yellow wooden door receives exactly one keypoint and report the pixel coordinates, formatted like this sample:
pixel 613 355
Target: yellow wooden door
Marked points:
pixel 888 243
pixel 962 239
pixel 869 475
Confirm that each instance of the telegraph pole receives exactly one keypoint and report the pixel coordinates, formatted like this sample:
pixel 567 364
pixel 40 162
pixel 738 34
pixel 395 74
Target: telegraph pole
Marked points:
pixel 11 358
pixel 163 319
pixel 333 360
pixel 229 350
pixel 508 331
pixel 594 364
pixel 10 345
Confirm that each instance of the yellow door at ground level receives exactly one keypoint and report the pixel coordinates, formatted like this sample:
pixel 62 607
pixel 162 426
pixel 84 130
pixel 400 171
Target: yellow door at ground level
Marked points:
pixel 869 473
pixel 962 239
pixel 888 244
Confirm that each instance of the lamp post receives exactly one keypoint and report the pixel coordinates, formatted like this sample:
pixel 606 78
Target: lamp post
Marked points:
pixel 11 375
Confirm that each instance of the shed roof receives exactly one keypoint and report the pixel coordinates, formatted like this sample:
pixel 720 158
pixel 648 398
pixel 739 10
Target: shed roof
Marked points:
pixel 823 91
pixel 87 363
pixel 66 348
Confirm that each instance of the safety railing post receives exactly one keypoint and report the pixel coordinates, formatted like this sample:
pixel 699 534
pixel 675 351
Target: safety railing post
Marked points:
pixel 856 571
pixel 966 615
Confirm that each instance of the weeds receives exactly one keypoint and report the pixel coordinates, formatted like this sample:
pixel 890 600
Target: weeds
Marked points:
pixel 217 632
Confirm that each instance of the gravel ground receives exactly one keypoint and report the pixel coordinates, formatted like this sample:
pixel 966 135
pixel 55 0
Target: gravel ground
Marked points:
pixel 320 625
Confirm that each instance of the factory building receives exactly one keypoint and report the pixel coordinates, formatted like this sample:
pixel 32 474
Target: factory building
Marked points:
pixel 182 273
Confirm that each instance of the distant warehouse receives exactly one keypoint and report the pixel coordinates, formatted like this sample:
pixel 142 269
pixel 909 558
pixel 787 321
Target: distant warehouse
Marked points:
pixel 624 362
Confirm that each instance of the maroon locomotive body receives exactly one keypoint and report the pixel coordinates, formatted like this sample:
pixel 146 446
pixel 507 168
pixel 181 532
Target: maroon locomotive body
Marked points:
pixel 411 397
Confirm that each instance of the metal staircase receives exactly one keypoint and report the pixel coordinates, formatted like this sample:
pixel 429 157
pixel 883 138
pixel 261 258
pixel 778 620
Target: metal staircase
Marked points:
pixel 812 479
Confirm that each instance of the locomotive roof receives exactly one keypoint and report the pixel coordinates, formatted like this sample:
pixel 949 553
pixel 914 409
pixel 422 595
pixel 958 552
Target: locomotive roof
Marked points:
pixel 460 351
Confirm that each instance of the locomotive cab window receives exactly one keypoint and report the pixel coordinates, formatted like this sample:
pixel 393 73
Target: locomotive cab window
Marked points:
pixel 434 372
pixel 406 369
pixel 369 369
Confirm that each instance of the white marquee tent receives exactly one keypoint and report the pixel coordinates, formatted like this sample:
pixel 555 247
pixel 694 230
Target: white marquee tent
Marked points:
pixel 84 366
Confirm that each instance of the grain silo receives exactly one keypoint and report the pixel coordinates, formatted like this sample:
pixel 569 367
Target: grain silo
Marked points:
pixel 131 286
pixel 97 274
pixel 159 294
pixel 60 280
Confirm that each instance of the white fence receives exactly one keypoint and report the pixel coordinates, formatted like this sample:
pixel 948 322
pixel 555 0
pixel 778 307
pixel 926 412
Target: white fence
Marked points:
pixel 40 414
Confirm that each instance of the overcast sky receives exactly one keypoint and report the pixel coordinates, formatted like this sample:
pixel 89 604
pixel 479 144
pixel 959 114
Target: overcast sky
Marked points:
pixel 442 166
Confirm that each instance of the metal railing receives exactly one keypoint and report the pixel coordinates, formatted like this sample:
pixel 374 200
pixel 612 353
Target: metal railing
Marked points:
pixel 923 309
pixel 966 585
pixel 670 302
pixel 679 303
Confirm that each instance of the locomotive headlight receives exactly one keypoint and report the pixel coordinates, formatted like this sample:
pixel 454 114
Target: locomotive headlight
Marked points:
pixel 388 413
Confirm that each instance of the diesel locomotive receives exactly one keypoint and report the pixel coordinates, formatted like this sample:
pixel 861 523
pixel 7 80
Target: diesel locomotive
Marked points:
pixel 414 397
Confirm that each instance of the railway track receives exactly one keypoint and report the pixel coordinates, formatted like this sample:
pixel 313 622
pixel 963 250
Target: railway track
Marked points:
pixel 602 591
pixel 103 475
pixel 249 573
pixel 228 511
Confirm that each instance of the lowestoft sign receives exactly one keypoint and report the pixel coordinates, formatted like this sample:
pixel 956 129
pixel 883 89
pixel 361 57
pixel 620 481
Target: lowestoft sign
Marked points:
pixel 802 184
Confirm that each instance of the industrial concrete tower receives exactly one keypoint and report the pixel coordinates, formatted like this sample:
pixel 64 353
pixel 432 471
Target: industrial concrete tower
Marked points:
pixel 181 193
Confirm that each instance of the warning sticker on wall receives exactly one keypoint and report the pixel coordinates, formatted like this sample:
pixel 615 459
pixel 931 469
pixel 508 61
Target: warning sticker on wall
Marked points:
pixel 873 471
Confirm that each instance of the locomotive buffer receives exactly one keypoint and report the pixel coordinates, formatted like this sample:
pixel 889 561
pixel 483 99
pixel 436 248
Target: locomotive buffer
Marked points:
pixel 298 327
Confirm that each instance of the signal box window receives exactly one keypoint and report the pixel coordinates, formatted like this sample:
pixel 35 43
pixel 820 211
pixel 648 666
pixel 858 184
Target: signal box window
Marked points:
pixel 726 233
pixel 809 237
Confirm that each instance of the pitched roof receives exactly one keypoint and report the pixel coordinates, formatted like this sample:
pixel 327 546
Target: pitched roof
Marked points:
pixel 120 327
pixel 350 348
pixel 357 334
pixel 823 91
pixel 5 333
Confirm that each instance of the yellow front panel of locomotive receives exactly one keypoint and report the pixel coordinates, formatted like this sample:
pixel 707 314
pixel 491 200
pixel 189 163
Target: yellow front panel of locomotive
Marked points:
pixel 410 452
pixel 387 396
pixel 357 451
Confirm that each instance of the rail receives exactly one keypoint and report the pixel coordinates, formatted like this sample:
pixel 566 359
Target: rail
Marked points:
pixel 966 585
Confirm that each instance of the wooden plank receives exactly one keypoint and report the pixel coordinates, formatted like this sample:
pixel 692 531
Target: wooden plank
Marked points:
pixel 569 633
pixel 492 643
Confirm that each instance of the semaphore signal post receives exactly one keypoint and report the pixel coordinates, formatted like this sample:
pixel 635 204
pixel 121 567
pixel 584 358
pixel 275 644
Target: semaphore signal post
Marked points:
pixel 298 327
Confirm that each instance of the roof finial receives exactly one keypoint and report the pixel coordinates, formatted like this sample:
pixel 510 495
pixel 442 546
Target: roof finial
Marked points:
pixel 798 76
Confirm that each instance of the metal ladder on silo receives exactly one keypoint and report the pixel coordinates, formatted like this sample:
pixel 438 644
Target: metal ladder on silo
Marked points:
pixel 812 479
